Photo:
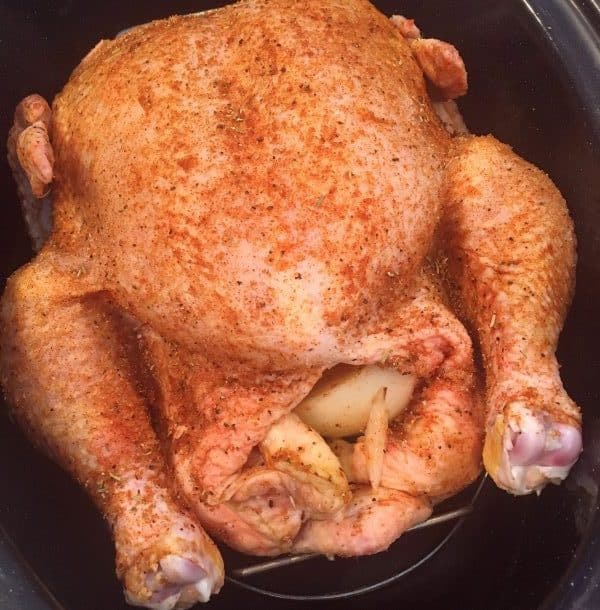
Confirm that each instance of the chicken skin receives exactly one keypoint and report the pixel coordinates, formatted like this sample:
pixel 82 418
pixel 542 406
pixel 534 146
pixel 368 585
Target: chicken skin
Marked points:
pixel 243 201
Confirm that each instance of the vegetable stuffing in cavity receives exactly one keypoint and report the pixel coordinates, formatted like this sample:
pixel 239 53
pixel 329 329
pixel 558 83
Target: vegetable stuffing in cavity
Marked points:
pixel 340 403
pixel 260 218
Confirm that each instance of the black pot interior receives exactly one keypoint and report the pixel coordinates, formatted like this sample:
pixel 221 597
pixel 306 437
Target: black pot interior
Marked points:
pixel 517 553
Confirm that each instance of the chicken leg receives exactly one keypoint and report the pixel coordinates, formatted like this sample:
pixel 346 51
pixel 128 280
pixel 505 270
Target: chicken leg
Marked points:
pixel 511 251
pixel 86 413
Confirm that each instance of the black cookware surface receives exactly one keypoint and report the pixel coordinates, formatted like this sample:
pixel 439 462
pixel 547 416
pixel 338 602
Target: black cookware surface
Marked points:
pixel 534 83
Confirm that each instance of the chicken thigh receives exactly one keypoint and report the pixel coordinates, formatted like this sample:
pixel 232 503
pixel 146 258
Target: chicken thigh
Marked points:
pixel 244 200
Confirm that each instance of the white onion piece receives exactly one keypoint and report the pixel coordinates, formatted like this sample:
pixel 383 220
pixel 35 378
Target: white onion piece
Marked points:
pixel 340 403
pixel 375 438
pixel 293 447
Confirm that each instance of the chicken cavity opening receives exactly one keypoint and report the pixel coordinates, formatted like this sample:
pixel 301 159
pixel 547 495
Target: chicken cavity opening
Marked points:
pixel 302 471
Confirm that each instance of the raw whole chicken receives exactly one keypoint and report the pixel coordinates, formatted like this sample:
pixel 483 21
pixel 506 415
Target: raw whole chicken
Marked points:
pixel 254 209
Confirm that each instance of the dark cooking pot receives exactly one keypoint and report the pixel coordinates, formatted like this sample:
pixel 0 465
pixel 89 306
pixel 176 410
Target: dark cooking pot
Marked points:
pixel 534 68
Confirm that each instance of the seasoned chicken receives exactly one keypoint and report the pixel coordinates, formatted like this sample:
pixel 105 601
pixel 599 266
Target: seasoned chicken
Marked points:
pixel 244 201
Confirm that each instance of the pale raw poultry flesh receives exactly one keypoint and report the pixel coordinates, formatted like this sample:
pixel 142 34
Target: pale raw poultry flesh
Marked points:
pixel 243 201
